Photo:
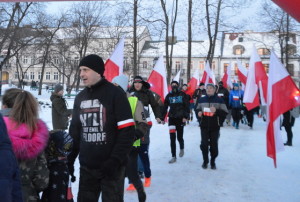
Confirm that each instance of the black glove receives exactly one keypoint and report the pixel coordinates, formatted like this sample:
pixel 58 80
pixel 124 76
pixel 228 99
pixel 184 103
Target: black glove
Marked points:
pixel 71 172
pixel 110 167
pixel 138 134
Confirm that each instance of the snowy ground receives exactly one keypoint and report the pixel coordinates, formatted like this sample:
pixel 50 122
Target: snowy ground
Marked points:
pixel 244 172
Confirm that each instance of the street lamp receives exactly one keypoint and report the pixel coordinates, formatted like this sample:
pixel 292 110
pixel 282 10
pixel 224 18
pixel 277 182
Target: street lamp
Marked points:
pixel 1 64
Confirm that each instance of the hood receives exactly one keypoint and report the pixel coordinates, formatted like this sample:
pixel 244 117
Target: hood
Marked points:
pixel 4 140
pixel 27 145
pixel 53 96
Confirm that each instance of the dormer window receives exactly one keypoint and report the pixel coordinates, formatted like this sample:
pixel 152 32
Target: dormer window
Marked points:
pixel 238 50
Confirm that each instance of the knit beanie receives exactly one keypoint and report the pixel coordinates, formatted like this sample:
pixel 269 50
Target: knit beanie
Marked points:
pixel 176 82
pixel 58 88
pixel 122 81
pixel 93 62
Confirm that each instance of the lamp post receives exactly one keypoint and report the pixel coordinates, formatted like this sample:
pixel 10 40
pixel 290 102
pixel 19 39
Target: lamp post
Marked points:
pixel 1 64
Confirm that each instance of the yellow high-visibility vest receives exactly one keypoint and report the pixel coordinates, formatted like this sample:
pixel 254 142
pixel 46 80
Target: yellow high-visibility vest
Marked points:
pixel 133 102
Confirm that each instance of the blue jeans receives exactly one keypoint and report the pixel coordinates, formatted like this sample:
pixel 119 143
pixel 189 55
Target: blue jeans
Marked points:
pixel 144 155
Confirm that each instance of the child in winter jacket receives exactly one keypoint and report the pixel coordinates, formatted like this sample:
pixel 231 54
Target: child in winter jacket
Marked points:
pixel 59 146
pixel 29 137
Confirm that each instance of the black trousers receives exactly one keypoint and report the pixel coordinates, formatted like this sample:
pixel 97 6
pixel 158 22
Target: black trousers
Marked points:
pixel 209 141
pixel 92 183
pixel 289 133
pixel 58 183
pixel 236 115
pixel 250 117
pixel 132 169
pixel 176 127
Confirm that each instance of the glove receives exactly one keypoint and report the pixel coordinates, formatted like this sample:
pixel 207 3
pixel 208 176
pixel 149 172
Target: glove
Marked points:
pixel 138 134
pixel 110 167
pixel 71 171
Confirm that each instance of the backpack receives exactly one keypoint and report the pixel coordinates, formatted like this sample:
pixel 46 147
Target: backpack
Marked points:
pixel 295 112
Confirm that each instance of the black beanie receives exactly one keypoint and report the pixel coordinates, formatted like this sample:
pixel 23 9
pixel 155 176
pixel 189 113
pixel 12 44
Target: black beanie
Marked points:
pixel 175 82
pixel 58 88
pixel 93 62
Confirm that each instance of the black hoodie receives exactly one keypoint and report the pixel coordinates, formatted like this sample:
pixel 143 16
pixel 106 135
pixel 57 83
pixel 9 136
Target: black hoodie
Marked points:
pixel 102 126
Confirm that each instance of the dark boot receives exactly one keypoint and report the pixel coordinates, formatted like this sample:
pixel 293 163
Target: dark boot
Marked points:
pixel 213 165
pixel 141 194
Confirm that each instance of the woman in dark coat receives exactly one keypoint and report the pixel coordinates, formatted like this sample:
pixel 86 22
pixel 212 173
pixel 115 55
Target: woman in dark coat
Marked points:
pixel 10 185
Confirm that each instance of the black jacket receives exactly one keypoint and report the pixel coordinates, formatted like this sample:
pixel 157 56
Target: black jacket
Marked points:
pixel 211 122
pixel 147 98
pixel 178 103
pixel 102 126
pixel 224 94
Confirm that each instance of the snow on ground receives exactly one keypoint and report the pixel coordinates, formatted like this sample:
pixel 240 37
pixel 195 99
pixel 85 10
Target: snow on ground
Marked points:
pixel 244 172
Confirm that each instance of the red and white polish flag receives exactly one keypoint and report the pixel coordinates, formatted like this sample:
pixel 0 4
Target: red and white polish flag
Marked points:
pixel 208 75
pixel 192 85
pixel 158 79
pixel 177 77
pixel 242 73
pixel 114 65
pixel 283 95
pixel 227 77
pixel 256 79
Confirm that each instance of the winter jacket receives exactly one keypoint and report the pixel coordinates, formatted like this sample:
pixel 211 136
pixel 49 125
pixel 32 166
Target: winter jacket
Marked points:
pixel 29 150
pixel 59 146
pixel 198 94
pixel 102 126
pixel 60 112
pixel 179 105
pixel 141 126
pixel 147 98
pixel 10 184
pixel 224 94
pixel 211 120
pixel 288 119
pixel 236 99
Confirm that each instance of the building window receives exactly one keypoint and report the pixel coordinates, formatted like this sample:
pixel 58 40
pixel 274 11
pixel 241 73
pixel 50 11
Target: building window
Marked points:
pixel 201 65
pixel 26 76
pixel 47 75
pixel 55 76
pixel 39 75
pixel 263 51
pixel 241 39
pixel 100 45
pixel 145 64
pixel 31 75
pixel 266 66
pixel 177 66
pixel 290 69
pixel 238 50
pixel 292 50
pixel 235 69
pixel 55 60
pixel 16 75
pixel 213 65
pixel 25 59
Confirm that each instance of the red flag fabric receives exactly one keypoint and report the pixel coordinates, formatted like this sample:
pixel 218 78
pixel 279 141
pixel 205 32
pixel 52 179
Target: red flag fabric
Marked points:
pixel 158 79
pixel 283 95
pixel 208 75
pixel 114 65
pixel 292 7
pixel 256 79
pixel 227 77
pixel 192 85
pixel 242 73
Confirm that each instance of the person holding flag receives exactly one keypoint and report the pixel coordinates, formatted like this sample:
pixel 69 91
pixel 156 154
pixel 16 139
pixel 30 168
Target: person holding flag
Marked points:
pixel 178 115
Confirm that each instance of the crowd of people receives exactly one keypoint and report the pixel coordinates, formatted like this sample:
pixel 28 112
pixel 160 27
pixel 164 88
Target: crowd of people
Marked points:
pixel 108 129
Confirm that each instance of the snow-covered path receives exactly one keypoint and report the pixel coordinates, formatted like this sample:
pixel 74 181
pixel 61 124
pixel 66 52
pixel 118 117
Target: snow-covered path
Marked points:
pixel 244 172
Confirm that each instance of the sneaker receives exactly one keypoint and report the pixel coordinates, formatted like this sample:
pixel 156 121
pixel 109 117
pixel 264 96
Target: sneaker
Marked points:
pixel 181 153
pixel 204 165
pixel 147 182
pixel 213 166
pixel 288 144
pixel 173 160
pixel 130 188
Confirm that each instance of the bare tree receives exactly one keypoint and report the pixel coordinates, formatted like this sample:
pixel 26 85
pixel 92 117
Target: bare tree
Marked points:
pixel 189 59
pixel 167 42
